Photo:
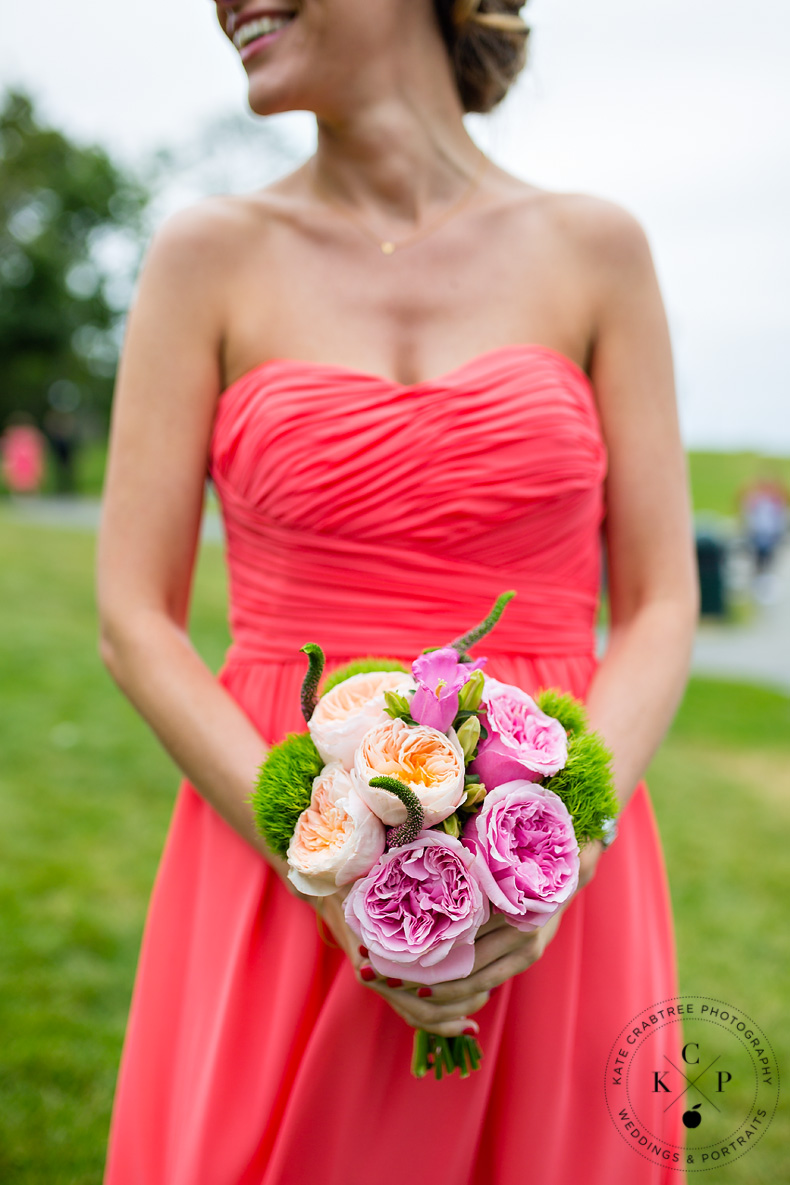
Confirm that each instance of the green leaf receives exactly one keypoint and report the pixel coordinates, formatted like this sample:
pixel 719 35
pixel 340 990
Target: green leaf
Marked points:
pixel 398 707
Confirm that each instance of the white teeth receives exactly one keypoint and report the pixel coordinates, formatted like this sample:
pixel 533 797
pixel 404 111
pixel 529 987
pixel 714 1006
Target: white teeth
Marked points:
pixel 257 28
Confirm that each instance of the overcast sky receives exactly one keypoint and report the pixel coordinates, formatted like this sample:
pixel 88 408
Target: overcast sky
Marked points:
pixel 679 110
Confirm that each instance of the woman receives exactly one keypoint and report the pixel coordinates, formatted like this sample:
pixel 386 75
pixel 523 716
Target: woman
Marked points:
pixel 416 381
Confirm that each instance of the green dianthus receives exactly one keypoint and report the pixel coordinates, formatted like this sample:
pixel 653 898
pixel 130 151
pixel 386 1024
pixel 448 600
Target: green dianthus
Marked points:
pixel 361 666
pixel 565 707
pixel 284 788
pixel 585 785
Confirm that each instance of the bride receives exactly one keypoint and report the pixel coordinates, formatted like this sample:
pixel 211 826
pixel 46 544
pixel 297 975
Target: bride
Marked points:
pixel 398 296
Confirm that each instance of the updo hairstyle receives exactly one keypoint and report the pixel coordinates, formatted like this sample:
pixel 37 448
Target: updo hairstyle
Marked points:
pixel 487 42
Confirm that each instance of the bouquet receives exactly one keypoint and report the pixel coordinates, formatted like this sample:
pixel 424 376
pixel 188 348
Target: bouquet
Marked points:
pixel 439 794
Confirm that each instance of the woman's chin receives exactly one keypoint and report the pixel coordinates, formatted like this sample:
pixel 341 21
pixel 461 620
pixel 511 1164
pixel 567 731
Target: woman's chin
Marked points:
pixel 264 99
pixel 267 95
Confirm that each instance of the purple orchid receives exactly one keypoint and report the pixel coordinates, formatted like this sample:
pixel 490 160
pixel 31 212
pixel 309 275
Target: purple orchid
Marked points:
pixel 440 676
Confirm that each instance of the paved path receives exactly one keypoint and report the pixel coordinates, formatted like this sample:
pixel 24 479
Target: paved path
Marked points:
pixel 758 651
pixel 83 514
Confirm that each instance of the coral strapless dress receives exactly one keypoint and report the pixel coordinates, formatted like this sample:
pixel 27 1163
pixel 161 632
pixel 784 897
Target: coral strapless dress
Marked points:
pixel 378 518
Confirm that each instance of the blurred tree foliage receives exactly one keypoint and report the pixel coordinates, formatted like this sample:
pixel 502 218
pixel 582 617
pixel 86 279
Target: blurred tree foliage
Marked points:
pixel 70 229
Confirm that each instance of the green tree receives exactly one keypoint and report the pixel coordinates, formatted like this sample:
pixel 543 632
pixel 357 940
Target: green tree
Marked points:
pixel 70 229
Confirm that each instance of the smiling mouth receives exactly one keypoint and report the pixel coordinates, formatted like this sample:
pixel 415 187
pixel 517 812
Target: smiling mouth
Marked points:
pixel 262 26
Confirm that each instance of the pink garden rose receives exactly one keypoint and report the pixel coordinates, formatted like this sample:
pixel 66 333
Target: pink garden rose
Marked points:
pixel 418 910
pixel 522 742
pixel 336 839
pixel 526 854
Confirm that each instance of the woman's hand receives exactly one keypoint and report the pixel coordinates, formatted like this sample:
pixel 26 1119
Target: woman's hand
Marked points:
pixel 588 862
pixel 419 1011
pixel 501 952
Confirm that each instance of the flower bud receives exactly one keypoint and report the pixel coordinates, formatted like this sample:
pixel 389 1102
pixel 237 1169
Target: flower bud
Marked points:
pixel 452 826
pixel 471 694
pixel 475 793
pixel 468 735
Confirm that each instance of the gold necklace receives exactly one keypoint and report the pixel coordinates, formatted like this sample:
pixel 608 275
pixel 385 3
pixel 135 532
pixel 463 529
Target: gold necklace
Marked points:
pixel 388 246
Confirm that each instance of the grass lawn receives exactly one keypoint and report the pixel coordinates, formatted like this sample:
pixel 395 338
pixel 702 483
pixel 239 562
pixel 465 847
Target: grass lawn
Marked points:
pixel 85 798
pixel 716 478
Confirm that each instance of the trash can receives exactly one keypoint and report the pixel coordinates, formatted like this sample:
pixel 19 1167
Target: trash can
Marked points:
pixel 711 565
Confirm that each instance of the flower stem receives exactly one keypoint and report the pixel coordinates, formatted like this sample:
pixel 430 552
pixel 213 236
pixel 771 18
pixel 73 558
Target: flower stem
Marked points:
pixel 444 1055
pixel 419 1058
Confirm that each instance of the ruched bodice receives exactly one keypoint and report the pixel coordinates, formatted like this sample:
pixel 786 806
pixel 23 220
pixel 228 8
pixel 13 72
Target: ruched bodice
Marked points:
pixel 350 500
pixel 374 517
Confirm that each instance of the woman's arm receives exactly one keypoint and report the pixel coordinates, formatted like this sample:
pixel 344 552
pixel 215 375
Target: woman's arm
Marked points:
pixel 653 587
pixel 163 409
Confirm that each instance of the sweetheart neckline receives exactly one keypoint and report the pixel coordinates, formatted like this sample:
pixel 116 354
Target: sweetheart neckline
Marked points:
pixel 440 379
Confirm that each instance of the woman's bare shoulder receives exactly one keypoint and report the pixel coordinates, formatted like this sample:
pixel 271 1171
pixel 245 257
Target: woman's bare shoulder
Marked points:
pixel 195 256
pixel 592 240
pixel 605 235
pixel 204 234
pixel 599 227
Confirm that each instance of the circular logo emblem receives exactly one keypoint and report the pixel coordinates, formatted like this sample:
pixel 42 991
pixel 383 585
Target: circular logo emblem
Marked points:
pixel 724 1082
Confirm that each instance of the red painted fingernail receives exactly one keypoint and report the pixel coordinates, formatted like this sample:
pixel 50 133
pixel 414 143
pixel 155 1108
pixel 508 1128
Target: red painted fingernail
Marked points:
pixel 394 982
pixel 424 991
pixel 363 950
pixel 470 1032
pixel 367 973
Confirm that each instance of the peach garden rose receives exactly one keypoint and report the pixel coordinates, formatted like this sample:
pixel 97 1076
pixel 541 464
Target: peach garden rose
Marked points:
pixel 337 839
pixel 349 709
pixel 429 762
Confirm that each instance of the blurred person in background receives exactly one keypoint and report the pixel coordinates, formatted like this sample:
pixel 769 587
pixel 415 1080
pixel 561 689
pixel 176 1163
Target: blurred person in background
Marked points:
pixel 22 452
pixel 763 508
pixel 62 431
